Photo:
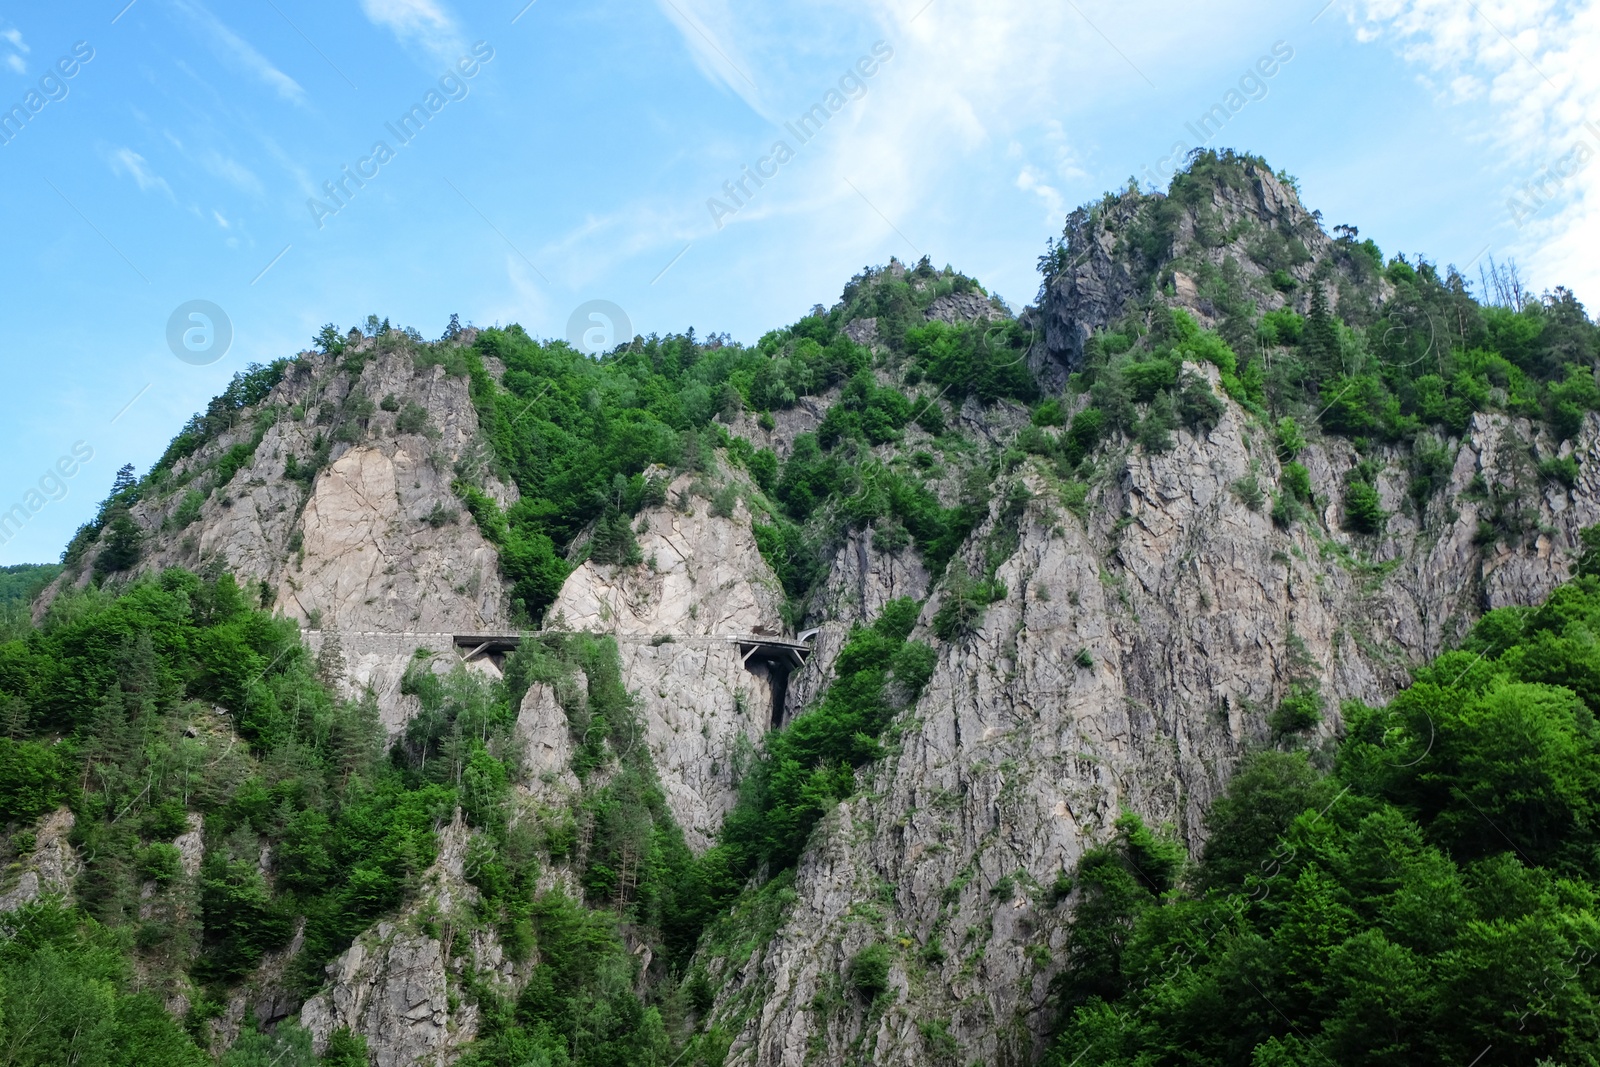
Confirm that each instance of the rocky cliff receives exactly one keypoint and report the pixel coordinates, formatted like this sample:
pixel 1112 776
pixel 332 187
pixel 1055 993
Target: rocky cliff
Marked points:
pixel 1141 610
pixel 330 497
pixel 704 708
pixel 1134 658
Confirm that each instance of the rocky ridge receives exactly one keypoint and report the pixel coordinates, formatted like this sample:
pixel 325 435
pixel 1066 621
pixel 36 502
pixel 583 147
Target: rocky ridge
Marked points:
pixel 1143 635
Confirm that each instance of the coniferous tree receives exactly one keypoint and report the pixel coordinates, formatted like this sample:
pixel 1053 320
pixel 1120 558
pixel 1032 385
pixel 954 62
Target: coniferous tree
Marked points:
pixel 1320 341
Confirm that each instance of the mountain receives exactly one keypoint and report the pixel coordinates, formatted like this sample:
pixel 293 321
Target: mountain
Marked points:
pixel 858 695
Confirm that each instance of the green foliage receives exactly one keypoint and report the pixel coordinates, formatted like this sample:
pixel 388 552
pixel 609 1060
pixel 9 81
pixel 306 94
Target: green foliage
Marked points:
pixel 329 340
pixel 1249 492
pixel 1363 508
pixel 345 1049
pixel 34 779
pixel 810 765
pixel 248 388
pixel 981 359
pixel 188 509
pixel 1048 413
pixel 1291 440
pixel 614 541
pixel 869 971
pixel 67 997
pixel 413 418
pixel 1561 470
pixel 1433 895
pixel 19 584
pixel 122 679
pixel 1198 407
pixel 1297 480
pixel 288 1046
pixel 1424 361
pixel 1298 711
pixel 1588 562
pixel 566 427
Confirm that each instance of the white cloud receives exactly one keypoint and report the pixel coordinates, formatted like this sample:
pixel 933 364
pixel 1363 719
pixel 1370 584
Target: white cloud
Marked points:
pixel 712 32
pixel 125 161
pixel 1535 85
pixel 13 37
pixel 233 172
pixel 419 23
pixel 240 54
pixel 1031 179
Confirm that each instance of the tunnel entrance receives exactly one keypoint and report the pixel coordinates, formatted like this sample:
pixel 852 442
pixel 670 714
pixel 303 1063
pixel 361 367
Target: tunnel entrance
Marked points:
pixel 780 657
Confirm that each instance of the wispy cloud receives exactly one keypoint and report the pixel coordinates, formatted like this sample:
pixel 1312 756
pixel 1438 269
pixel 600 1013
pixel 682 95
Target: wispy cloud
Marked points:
pixel 1031 179
pixel 423 24
pixel 13 37
pixel 240 54
pixel 233 172
pixel 126 162
pixel 714 37
pixel 1526 69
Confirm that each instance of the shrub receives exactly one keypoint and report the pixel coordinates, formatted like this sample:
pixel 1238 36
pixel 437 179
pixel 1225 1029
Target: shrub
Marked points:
pixel 1291 441
pixel 1298 712
pixel 1048 413
pixel 1286 510
pixel 1297 480
pixel 34 779
pixel 414 419
pixel 869 971
pixel 1363 511
pixel 1155 430
pixel 614 541
pixel 188 510
pixel 1198 406
pixel 160 863
pixel 961 612
pixel 1562 471
pixel 1249 492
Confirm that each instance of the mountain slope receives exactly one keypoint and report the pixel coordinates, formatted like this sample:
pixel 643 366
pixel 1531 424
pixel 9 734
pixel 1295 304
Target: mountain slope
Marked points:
pixel 1229 473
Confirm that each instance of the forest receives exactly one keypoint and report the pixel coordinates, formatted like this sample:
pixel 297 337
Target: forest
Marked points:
pixel 1430 897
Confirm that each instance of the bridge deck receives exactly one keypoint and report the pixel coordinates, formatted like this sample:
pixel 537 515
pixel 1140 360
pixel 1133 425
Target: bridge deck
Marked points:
pixel 751 646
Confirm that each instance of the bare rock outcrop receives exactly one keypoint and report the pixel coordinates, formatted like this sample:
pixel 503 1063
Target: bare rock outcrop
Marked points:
pixel 545 738
pixel 703 582
pixel 393 986
pixel 51 867
pixel 1252 230
pixel 376 543
pixel 370 566
pixel 1132 660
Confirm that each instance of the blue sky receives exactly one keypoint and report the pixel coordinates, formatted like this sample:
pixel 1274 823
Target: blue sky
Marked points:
pixel 577 162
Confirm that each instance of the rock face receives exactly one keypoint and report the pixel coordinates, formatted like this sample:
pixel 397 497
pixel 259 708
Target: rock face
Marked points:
pixel 50 869
pixel 703 582
pixel 372 563
pixel 390 987
pixel 1132 660
pixel 393 985
pixel 1245 233
pixel 377 543
pixel 545 736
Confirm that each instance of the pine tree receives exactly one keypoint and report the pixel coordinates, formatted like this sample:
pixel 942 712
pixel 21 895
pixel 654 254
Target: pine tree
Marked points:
pixel 124 544
pixel 125 480
pixel 1320 341
pixel 330 660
